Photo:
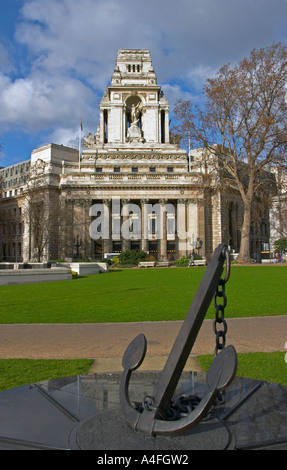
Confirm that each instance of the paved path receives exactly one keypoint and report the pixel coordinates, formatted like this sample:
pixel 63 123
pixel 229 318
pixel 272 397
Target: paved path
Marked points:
pixel 106 342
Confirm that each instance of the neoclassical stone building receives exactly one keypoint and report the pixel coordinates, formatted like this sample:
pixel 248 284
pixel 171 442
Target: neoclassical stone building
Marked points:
pixel 131 188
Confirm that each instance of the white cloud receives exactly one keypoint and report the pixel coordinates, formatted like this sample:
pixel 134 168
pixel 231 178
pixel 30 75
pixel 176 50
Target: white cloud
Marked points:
pixel 6 64
pixel 172 93
pixel 40 101
pixel 70 49
pixel 69 137
pixel 83 37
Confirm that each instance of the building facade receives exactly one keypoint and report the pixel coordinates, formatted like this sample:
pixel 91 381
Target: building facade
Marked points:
pixel 130 188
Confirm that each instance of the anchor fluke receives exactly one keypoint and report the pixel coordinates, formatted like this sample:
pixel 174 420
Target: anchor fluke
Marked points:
pixel 150 417
pixel 223 369
pixel 135 353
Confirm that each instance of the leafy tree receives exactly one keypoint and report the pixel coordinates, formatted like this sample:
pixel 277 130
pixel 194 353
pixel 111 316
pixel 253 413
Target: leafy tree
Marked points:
pixel 243 123
pixel 280 245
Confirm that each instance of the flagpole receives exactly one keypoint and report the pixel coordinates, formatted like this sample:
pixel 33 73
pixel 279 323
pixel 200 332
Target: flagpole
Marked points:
pixel 80 142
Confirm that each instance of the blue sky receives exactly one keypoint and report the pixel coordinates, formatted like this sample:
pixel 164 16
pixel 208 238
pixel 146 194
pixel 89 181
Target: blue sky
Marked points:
pixel 57 56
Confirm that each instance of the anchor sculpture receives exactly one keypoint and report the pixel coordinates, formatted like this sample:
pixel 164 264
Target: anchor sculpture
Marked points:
pixel 151 419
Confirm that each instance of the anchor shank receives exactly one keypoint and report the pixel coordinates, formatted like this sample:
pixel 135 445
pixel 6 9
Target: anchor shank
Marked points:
pixel 165 388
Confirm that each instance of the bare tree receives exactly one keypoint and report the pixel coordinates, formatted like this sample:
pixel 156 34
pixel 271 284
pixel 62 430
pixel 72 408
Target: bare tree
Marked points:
pixel 40 213
pixel 243 122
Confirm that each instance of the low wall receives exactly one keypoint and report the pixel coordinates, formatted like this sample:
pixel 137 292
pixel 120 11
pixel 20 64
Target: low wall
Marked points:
pixel 25 265
pixel 84 269
pixel 32 276
pixel 6 265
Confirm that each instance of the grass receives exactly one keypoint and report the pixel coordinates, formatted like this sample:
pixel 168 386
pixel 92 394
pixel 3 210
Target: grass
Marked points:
pixel 269 367
pixel 17 372
pixel 142 295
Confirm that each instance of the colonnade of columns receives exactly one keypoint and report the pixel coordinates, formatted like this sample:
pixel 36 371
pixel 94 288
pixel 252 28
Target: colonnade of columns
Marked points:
pixel 165 227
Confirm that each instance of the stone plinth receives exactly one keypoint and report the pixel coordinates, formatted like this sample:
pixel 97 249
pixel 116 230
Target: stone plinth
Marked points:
pixel 32 276
pixel 85 269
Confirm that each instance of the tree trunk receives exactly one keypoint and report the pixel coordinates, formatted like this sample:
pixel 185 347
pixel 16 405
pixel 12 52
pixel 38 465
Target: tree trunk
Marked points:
pixel 244 252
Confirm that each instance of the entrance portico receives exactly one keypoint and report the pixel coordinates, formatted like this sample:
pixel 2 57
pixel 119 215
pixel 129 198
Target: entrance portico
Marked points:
pixel 164 228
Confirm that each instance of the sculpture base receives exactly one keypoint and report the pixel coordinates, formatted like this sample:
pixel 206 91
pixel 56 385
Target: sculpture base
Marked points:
pixel 83 412
pixel 134 134
pixel 110 431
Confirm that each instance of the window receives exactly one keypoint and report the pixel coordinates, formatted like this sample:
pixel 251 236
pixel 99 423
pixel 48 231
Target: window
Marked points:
pixel 134 169
pixel 152 223
pixel 170 169
pixel 117 169
pixel 99 169
pixel 152 169
pixel 134 68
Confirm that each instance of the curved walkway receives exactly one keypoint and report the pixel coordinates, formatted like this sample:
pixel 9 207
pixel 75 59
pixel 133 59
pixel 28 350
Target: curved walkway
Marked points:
pixel 105 343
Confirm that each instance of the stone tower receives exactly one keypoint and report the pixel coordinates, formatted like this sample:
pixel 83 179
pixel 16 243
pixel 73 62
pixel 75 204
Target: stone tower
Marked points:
pixel 134 109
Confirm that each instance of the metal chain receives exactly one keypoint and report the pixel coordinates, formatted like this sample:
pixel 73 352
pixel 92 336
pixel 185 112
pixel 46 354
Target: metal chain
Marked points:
pixel 220 307
pixel 184 404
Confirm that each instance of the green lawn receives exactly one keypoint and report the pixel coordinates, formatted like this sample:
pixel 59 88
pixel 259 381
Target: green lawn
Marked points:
pixel 17 372
pixel 142 295
pixel 269 367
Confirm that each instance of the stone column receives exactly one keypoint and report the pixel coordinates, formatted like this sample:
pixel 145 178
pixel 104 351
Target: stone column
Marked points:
pixel 107 240
pixel 144 225
pixel 192 225
pixel 102 125
pixel 163 231
pixel 166 127
pixel 126 243
pixel 89 240
pixel 124 120
pixel 200 239
pixel 79 226
pixel 181 228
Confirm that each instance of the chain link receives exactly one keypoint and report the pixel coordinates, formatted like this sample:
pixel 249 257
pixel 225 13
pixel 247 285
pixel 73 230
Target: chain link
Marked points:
pixel 220 302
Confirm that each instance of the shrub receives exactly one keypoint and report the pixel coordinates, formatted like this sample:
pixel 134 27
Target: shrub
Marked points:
pixel 132 257
pixel 150 258
pixel 183 261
